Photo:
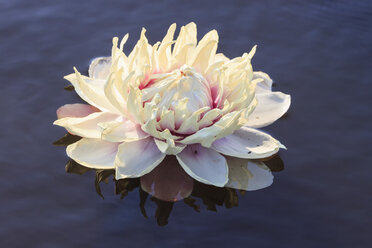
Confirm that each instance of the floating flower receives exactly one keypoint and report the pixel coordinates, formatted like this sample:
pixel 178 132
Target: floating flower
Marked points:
pixel 177 97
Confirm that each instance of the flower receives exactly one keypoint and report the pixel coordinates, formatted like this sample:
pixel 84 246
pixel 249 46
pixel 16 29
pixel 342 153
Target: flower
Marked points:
pixel 177 97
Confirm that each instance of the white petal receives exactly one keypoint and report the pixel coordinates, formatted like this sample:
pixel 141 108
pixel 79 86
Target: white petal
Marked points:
pixel 204 165
pixel 270 107
pixel 93 153
pixel 247 143
pixel 122 131
pixel 75 110
pixel 248 174
pixel 137 158
pixel 100 67
pixel 86 126
pixel 265 85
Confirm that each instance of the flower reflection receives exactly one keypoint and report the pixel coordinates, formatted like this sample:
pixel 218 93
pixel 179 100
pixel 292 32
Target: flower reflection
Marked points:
pixel 169 183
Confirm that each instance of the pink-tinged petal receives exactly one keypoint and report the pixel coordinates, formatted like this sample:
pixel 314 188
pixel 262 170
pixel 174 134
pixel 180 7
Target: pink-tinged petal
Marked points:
pixel 247 174
pixel 204 164
pixel 86 126
pixel 125 131
pixel 270 107
pixel 100 67
pixel 75 110
pixel 168 181
pixel 247 143
pixel 93 153
pixel 137 158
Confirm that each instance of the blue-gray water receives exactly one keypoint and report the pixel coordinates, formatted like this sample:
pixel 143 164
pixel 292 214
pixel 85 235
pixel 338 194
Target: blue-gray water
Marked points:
pixel 317 51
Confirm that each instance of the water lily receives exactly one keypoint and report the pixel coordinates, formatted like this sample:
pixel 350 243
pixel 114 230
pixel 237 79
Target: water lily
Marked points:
pixel 180 98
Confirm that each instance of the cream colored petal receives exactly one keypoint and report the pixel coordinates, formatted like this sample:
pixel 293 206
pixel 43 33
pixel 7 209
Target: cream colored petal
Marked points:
pixel 112 92
pixel 134 104
pixel 191 124
pixel 204 165
pixel 169 147
pixel 164 51
pixel 247 174
pixel 91 91
pixel 187 37
pixel 209 117
pixel 226 125
pixel 124 131
pixel 93 153
pixel 137 158
pixel 271 106
pixel 100 68
pixel 247 143
pixel 167 119
pixel 220 57
pixel 205 51
pixel 86 126
pixel 205 56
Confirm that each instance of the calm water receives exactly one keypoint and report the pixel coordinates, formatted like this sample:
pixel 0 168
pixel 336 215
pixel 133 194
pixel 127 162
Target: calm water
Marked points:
pixel 318 52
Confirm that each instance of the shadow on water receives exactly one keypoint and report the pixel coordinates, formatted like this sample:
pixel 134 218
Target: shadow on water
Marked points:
pixel 210 196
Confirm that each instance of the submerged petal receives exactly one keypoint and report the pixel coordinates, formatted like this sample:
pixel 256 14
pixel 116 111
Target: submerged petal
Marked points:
pixel 270 107
pixel 204 165
pixel 168 181
pixel 248 174
pixel 137 158
pixel 247 143
pixel 93 153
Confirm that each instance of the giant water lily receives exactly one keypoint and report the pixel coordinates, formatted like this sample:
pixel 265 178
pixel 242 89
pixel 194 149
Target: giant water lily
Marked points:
pixel 179 98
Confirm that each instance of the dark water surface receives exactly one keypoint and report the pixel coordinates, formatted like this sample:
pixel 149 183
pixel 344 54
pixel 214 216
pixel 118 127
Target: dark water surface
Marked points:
pixel 318 51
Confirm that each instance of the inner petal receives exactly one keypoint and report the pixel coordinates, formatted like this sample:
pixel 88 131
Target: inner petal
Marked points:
pixel 184 91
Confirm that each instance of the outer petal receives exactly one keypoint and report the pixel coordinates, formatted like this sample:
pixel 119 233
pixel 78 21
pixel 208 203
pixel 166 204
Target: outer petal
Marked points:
pixel 247 143
pixel 204 165
pixel 100 67
pixel 248 174
pixel 271 106
pixel 86 126
pixel 265 85
pixel 125 131
pixel 93 153
pixel 75 110
pixel 168 181
pixel 137 158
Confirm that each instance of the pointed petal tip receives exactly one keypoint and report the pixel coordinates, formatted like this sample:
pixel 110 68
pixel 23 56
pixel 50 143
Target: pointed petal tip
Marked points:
pixel 56 123
pixel 115 41
pixel 252 52
pixel 282 146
